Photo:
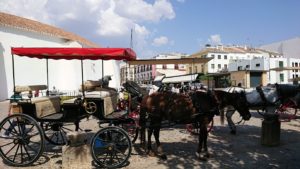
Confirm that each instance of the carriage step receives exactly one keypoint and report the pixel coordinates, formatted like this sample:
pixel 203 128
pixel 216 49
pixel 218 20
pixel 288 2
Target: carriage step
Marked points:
pixel 77 153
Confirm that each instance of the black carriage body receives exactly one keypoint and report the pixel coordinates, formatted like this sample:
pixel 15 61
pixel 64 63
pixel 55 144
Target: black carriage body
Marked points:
pixel 69 111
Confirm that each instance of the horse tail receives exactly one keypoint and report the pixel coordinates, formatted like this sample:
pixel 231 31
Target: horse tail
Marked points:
pixel 222 116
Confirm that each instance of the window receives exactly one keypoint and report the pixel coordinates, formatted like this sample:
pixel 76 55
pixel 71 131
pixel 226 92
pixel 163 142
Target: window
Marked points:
pixel 212 66
pixel 225 66
pixel 195 69
pixel 190 69
pixel 219 56
pixel 213 56
pixel 225 56
pixel 280 63
pixel 296 64
pixel 219 66
pixel 240 68
pixel 164 66
pixel 281 76
pixel 293 64
pixel 247 66
pixel 257 65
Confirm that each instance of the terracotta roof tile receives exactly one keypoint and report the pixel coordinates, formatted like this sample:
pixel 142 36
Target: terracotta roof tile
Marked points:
pixel 35 26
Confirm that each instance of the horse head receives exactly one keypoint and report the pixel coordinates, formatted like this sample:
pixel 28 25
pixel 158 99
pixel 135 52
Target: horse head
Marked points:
pixel 205 102
pixel 236 99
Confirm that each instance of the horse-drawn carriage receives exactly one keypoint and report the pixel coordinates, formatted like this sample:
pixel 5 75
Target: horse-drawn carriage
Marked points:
pixel 23 134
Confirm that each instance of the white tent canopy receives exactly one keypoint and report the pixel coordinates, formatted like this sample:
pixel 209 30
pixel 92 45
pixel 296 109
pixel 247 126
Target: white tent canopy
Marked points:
pixel 179 79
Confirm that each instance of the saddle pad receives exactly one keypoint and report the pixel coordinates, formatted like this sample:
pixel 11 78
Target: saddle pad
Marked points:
pixel 47 107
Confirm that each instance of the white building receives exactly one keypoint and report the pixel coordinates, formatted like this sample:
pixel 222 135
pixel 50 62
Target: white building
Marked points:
pixel 240 63
pixel 169 69
pixel 222 56
pixel 126 72
pixel 267 64
pixel 64 75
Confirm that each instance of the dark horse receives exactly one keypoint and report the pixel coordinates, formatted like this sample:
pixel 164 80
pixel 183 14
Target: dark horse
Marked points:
pixel 196 107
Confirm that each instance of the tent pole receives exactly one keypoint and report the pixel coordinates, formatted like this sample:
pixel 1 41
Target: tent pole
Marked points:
pixel 82 87
pixel 47 92
pixel 102 69
pixel 13 68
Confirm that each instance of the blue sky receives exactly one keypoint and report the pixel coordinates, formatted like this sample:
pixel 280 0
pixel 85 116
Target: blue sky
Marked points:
pixel 162 26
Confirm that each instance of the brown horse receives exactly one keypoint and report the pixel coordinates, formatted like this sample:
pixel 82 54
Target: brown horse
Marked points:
pixel 197 107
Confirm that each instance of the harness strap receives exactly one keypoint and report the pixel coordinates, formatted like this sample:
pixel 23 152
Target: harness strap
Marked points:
pixel 262 95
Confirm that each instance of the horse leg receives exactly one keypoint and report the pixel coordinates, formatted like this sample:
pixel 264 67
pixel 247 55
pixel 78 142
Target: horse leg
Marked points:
pixel 159 147
pixel 205 134
pixel 229 114
pixel 200 137
pixel 203 141
pixel 149 147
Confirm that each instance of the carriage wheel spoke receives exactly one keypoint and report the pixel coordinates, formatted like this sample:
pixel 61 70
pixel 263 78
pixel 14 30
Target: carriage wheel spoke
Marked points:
pixel 30 129
pixel 52 136
pixel 6 144
pixel 62 137
pixel 11 124
pixel 32 149
pixel 16 153
pixel 66 129
pixel 21 154
pixel 25 149
pixel 120 152
pixel 10 149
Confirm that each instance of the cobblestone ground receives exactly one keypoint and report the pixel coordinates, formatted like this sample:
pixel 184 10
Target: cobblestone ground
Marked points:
pixel 242 150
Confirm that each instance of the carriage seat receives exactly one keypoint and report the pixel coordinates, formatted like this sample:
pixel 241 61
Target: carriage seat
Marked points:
pixel 46 106
pixel 20 89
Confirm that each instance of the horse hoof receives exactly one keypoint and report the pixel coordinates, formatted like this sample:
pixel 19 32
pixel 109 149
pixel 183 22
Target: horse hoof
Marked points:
pixel 203 158
pixel 151 153
pixel 163 157
pixel 207 155
pixel 233 132
pixel 159 149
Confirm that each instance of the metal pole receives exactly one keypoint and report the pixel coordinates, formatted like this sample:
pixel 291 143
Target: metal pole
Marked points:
pixel 102 69
pixel 13 68
pixel 82 86
pixel 47 92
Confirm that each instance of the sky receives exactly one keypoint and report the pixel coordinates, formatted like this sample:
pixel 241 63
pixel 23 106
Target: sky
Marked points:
pixel 165 26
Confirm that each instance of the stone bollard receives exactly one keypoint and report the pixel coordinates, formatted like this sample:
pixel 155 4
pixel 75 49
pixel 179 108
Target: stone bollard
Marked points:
pixel 77 154
pixel 270 131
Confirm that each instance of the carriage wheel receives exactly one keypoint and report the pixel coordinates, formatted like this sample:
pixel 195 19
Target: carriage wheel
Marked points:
pixel 111 147
pixel 21 140
pixel 132 129
pixel 287 111
pixel 56 132
pixel 194 128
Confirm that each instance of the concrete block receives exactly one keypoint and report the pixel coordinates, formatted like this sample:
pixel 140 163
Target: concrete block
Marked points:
pixel 76 138
pixel 78 157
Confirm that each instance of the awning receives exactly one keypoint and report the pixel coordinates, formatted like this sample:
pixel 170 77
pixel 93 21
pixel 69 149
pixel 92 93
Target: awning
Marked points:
pixel 158 78
pixel 170 72
pixel 179 79
pixel 76 53
pixel 285 68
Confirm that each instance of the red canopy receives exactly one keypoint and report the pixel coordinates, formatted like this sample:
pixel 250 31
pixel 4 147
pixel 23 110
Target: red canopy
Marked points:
pixel 77 53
